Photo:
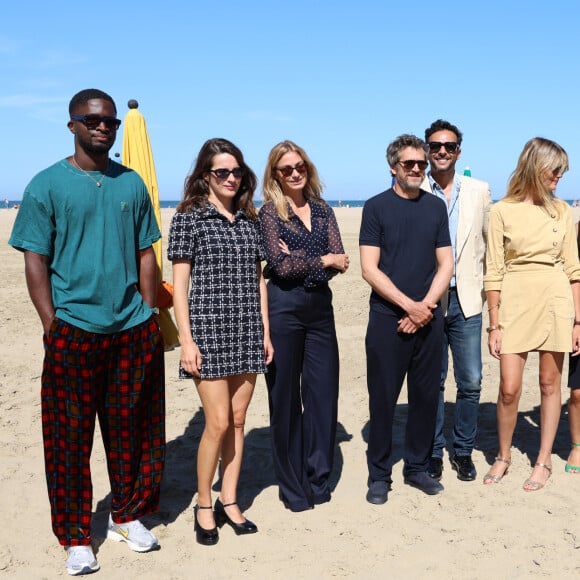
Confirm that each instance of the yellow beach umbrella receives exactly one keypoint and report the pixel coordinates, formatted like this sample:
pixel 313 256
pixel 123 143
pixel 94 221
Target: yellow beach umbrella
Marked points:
pixel 137 155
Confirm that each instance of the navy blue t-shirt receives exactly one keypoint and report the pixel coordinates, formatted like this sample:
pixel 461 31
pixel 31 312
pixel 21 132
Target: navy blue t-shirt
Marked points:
pixel 408 231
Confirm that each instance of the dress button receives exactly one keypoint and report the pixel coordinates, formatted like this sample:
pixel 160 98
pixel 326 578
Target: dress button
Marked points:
pixel 555 230
pixel 555 244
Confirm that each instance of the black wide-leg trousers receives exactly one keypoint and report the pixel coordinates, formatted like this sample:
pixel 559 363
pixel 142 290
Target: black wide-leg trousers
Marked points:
pixel 303 392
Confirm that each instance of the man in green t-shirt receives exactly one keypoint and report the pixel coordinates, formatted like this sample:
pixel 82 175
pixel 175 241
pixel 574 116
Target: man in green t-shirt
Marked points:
pixel 86 227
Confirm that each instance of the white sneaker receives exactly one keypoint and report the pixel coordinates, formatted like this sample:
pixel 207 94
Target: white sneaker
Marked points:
pixel 134 533
pixel 80 560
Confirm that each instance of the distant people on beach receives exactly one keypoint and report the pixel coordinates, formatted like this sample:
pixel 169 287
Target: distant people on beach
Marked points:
pixel 402 226
pixel 533 294
pixel 219 299
pixel 468 202
pixel 303 251
pixel 7 205
pixel 86 227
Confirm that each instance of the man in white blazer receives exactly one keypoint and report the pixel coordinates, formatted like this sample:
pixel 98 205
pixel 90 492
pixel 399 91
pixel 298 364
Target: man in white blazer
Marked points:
pixel 468 203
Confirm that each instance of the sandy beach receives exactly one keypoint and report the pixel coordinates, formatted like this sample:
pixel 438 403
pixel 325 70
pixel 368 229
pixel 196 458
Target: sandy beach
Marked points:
pixel 470 531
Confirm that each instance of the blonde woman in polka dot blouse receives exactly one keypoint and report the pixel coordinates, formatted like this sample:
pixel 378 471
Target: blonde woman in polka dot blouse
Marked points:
pixel 304 251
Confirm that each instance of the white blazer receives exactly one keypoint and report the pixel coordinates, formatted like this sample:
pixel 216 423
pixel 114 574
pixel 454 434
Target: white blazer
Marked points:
pixel 474 206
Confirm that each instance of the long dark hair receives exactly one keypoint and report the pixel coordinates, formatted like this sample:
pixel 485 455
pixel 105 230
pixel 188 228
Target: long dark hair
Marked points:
pixel 196 188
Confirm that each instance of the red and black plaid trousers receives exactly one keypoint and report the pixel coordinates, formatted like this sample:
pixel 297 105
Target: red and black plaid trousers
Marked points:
pixel 119 378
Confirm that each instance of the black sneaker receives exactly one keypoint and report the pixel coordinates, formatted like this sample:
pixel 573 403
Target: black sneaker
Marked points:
pixel 424 482
pixel 435 468
pixel 464 467
pixel 378 492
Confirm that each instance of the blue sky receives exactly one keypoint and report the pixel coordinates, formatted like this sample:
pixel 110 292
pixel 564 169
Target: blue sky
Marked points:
pixel 341 78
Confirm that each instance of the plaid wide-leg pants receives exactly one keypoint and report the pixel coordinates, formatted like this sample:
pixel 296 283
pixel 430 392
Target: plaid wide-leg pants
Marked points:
pixel 119 378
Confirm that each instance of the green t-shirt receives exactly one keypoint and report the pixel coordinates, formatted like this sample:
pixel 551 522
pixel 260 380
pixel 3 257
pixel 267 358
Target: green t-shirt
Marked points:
pixel 92 236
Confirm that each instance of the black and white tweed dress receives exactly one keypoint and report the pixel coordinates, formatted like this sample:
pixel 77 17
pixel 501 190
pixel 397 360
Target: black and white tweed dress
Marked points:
pixel 224 298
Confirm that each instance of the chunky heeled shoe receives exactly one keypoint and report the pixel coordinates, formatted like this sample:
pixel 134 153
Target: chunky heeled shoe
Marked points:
pixel 221 518
pixel 573 468
pixel 489 478
pixel 203 536
pixel 531 485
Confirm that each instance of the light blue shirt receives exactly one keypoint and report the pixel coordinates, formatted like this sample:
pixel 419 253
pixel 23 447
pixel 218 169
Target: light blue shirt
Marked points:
pixel 452 212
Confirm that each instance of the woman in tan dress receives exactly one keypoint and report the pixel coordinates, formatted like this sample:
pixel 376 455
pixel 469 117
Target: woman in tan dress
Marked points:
pixel 533 293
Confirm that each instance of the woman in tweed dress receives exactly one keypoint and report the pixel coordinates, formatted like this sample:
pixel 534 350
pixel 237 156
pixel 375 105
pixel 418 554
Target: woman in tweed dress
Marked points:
pixel 221 311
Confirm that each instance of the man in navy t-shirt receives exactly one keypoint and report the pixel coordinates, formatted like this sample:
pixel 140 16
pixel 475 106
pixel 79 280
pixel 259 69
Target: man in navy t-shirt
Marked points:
pixel 406 258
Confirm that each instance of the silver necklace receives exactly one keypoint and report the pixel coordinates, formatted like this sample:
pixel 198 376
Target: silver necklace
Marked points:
pixel 98 182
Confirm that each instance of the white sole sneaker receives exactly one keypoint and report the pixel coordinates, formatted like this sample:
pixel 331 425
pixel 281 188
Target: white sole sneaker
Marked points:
pixel 134 534
pixel 80 560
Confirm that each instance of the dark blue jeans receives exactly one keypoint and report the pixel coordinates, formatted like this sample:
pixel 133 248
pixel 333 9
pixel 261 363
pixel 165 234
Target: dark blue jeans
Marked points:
pixel 463 337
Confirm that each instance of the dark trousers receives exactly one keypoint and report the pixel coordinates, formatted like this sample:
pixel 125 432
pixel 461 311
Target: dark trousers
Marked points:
pixel 391 356
pixel 303 392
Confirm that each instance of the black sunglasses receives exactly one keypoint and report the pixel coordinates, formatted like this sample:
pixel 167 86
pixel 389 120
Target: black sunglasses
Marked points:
pixel 93 121
pixel 237 172
pixel 288 170
pixel 410 164
pixel 450 146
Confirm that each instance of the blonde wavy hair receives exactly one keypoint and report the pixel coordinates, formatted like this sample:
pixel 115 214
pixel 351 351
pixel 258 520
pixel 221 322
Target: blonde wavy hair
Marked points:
pixel 271 189
pixel 539 157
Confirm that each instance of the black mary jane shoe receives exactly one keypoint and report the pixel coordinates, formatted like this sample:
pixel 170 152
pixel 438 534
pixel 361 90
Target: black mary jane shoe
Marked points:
pixel 221 518
pixel 203 536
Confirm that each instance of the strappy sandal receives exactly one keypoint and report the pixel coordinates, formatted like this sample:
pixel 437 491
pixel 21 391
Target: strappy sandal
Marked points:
pixel 573 468
pixel 490 478
pixel 536 485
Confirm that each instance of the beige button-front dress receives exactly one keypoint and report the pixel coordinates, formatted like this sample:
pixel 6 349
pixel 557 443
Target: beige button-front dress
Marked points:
pixel 532 256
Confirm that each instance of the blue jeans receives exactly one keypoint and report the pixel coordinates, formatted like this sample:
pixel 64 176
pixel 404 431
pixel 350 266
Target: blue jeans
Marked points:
pixel 463 337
